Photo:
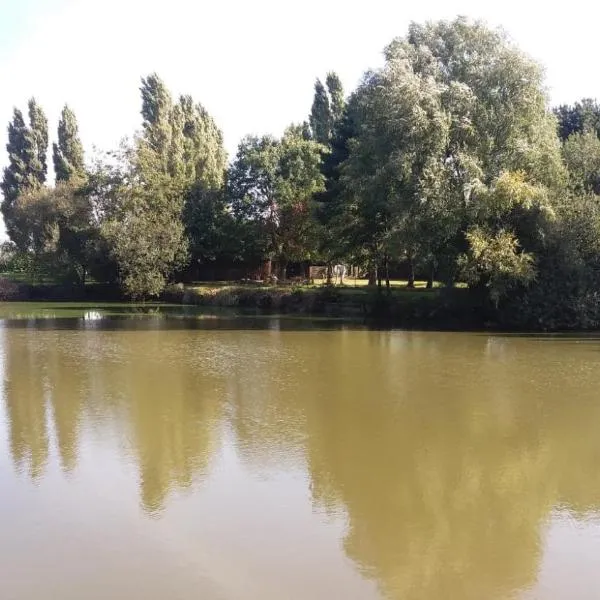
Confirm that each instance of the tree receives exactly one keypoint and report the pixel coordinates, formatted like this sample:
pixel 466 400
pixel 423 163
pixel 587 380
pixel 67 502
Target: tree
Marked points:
pixel 157 125
pixel 334 142
pixel 144 226
pixel 206 220
pixel 146 240
pixel 167 198
pixel 271 187
pixel 68 153
pixel 581 117
pixel 495 262
pixel 321 118
pixel 17 174
pixel 581 152
pixel 565 293
pixel 58 229
pixel 402 135
pixel 204 152
pixel 27 166
pixel 182 151
pixel 327 108
pixel 38 130
pixel 455 107
pixel 337 100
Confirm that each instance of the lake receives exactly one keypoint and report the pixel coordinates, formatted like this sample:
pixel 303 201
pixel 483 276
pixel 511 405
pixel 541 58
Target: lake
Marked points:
pixel 168 454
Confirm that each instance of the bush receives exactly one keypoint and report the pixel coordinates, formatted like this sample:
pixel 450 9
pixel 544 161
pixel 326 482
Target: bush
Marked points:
pixel 9 290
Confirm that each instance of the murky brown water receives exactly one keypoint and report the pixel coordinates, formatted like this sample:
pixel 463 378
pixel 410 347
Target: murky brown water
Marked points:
pixel 144 457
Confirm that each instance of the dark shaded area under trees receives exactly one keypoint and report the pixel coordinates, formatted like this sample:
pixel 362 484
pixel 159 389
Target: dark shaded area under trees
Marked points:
pixel 446 163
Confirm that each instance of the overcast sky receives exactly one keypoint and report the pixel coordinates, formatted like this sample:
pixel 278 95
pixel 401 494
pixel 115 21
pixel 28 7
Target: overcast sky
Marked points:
pixel 252 63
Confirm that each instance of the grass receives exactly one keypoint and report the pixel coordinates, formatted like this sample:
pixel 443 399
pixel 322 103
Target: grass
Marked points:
pixel 395 283
pixel 28 278
pixel 349 283
pixel 353 295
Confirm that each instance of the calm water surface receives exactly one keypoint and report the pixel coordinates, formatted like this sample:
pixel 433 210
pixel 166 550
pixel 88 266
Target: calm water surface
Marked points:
pixel 180 456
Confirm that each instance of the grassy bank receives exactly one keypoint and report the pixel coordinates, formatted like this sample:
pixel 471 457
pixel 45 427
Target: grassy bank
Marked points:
pixel 419 307
pixel 400 306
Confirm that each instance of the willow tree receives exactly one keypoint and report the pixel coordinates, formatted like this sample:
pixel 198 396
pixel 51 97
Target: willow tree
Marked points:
pixel 455 108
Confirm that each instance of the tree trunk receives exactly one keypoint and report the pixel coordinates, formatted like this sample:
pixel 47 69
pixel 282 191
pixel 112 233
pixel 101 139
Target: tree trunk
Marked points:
pixel 373 276
pixel 267 269
pixel 329 273
pixel 430 278
pixel 283 270
pixel 387 274
pixel 411 273
pixel 379 279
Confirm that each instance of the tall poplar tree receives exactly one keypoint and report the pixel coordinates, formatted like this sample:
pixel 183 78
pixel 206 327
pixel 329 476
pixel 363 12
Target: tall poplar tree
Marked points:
pixel 16 174
pixel 38 130
pixel 68 156
pixel 320 115
pixel 27 163
pixel 336 96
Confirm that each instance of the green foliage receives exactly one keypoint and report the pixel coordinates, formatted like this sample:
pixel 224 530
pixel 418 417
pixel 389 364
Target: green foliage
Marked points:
pixel 581 152
pixel 17 174
pixel 271 188
pixel 38 132
pixel 68 153
pixel 447 158
pixel 27 168
pixel 455 109
pixel 327 108
pixel 334 237
pixel 58 228
pixel 143 221
pixel 337 100
pixel 166 197
pixel 204 153
pixel 581 117
pixel 146 239
pixel 565 294
pixel 211 228
pixel 495 261
pixel 157 124
pixel 321 118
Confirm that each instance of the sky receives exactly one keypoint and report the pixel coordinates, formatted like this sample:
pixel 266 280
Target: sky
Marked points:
pixel 252 63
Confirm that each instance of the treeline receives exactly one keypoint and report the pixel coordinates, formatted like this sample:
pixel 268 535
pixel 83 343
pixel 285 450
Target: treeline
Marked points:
pixel 447 159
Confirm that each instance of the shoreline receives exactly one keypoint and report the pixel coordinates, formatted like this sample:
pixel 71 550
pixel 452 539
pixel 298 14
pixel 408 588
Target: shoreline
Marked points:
pixel 438 309
pixel 444 309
